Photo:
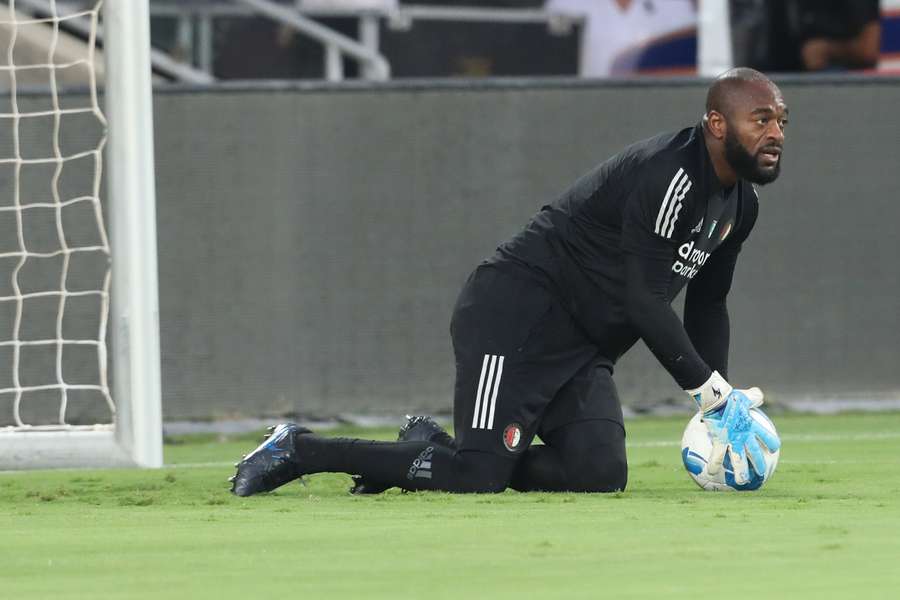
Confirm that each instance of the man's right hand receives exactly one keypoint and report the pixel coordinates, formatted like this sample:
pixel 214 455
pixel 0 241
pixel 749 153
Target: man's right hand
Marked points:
pixel 726 413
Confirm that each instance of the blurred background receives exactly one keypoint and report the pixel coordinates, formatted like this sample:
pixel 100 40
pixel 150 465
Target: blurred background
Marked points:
pixel 224 40
pixel 329 171
pixel 590 38
pixel 495 38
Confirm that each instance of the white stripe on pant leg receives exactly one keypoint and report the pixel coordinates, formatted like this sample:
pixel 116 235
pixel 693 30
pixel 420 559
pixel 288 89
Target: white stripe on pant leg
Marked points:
pixel 487 391
pixel 490 424
pixel 484 365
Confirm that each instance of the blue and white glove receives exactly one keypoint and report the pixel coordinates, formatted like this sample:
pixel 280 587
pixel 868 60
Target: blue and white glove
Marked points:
pixel 726 412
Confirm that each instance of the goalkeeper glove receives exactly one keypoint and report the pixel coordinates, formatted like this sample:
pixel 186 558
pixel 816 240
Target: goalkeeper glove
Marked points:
pixel 726 413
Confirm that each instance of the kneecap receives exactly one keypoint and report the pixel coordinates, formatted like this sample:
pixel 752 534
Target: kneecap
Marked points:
pixel 599 474
pixel 482 472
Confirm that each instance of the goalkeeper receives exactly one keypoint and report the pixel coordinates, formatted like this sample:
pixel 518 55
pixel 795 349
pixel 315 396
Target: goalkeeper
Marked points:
pixel 539 326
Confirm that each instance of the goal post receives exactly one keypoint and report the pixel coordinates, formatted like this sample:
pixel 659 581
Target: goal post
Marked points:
pixel 132 193
pixel 126 297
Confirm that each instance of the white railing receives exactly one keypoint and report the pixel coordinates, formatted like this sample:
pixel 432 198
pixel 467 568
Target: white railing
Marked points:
pixel 194 27
pixel 336 44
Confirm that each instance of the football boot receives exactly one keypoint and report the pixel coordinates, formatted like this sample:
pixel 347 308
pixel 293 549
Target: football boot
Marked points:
pixel 271 465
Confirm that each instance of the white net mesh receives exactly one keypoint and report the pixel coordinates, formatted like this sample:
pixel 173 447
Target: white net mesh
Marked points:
pixel 54 250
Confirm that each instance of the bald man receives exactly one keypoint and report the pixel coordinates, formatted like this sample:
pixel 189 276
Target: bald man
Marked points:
pixel 539 326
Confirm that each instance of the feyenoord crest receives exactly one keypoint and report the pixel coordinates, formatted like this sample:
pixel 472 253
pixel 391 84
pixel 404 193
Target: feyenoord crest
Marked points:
pixel 512 437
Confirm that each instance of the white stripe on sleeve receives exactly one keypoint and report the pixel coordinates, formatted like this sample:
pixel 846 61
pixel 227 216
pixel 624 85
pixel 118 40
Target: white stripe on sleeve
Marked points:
pixel 674 205
pixel 665 202
pixel 680 200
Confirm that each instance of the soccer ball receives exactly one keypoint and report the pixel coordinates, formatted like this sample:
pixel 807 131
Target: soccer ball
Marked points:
pixel 696 446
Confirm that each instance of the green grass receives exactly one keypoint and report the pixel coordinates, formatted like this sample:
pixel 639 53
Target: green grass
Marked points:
pixel 826 526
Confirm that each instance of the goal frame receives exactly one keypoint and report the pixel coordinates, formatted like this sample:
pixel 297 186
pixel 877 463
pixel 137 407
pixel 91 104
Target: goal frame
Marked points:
pixel 135 439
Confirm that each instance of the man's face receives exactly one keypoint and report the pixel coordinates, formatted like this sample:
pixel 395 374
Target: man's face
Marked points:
pixel 754 135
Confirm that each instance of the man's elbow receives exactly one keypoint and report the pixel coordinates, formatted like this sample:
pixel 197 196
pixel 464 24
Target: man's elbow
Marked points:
pixel 701 311
pixel 704 299
pixel 705 303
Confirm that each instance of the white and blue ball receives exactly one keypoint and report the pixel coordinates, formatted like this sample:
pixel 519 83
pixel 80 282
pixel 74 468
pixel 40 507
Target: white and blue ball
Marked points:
pixel 696 446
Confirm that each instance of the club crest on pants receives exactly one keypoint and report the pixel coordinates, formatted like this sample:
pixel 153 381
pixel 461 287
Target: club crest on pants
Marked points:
pixel 512 437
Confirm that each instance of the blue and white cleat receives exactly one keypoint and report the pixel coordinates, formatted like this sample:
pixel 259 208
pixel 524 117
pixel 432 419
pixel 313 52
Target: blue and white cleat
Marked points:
pixel 271 465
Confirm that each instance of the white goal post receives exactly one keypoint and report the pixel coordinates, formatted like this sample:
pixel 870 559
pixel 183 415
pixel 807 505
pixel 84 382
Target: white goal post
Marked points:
pixel 132 433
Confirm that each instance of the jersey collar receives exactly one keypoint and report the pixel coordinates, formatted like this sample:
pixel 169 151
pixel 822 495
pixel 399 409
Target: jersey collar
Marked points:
pixel 711 180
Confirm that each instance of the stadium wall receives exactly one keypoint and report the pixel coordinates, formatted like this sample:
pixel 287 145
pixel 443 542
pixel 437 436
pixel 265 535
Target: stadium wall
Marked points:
pixel 312 240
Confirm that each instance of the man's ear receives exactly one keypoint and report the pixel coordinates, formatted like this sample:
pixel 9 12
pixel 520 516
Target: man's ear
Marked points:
pixel 715 123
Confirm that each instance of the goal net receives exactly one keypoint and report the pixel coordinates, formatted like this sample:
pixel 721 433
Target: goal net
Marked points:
pixel 56 405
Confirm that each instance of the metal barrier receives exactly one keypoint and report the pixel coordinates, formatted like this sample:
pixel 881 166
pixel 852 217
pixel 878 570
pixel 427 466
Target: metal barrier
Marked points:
pixel 374 65
pixel 199 15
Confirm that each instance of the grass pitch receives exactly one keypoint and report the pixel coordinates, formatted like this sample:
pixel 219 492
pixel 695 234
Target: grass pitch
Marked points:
pixel 826 526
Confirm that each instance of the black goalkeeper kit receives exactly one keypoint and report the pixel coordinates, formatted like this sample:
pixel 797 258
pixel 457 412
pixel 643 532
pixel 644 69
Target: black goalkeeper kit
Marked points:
pixel 538 328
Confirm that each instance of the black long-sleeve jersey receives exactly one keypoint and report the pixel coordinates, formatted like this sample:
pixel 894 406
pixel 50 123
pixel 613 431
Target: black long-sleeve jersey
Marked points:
pixel 625 239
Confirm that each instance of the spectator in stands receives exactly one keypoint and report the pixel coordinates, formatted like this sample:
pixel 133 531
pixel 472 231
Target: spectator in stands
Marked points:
pixel 624 37
pixel 806 35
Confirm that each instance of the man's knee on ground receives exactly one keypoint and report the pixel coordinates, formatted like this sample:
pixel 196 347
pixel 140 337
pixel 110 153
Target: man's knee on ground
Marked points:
pixel 593 455
pixel 483 472
pixel 598 472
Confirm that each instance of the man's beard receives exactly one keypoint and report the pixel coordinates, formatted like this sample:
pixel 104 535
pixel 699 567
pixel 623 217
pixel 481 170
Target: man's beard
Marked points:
pixel 747 165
